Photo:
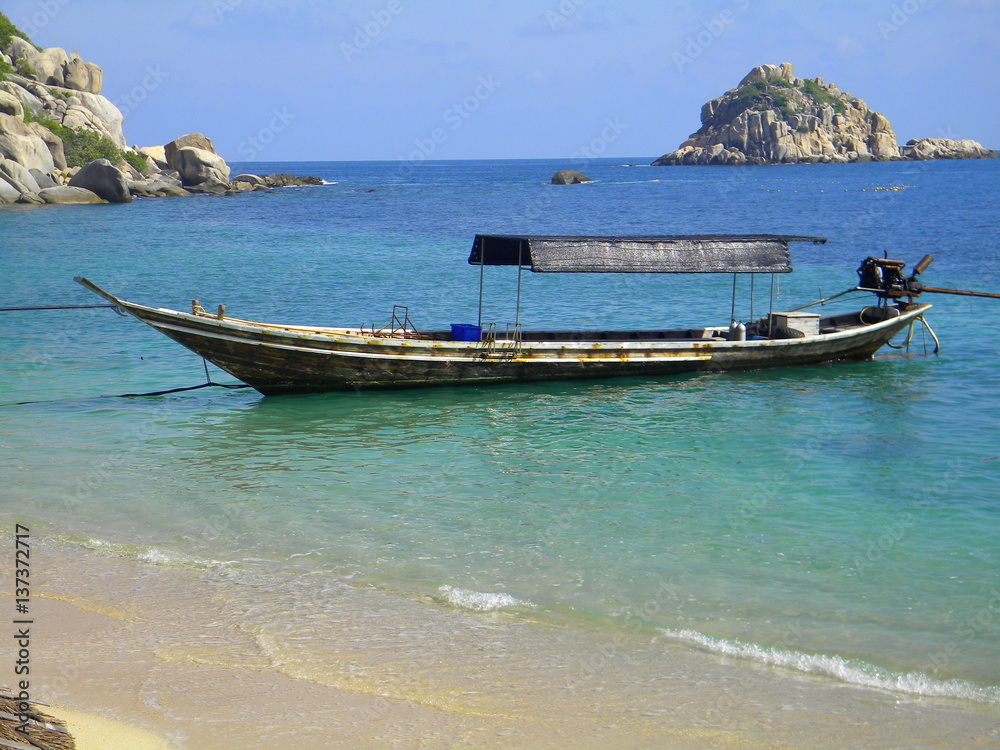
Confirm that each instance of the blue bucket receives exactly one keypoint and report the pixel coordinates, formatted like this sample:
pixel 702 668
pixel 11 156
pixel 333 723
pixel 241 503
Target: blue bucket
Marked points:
pixel 465 332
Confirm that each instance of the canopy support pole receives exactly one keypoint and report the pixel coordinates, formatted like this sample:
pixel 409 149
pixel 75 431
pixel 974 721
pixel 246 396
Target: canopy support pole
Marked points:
pixel 732 314
pixel 482 266
pixel 770 311
pixel 517 309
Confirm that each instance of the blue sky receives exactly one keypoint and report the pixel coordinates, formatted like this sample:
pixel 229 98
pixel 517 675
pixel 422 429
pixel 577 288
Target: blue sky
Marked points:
pixel 274 80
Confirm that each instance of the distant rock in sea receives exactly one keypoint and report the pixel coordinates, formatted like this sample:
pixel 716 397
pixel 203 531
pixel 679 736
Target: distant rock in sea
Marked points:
pixel 569 177
pixel 773 117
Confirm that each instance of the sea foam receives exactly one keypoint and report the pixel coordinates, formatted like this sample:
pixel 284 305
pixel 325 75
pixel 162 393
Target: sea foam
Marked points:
pixel 854 672
pixel 477 601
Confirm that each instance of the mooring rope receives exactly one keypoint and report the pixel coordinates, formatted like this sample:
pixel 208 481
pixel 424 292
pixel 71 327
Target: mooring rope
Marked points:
pixel 53 307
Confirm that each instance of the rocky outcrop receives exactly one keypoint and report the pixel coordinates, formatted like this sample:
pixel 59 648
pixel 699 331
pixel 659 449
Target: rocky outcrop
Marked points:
pixel 569 177
pixel 944 148
pixel 773 117
pixel 54 95
pixel 102 178
pixel 20 142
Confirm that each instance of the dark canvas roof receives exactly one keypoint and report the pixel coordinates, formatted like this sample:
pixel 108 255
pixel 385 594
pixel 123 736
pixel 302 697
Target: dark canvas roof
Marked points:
pixel 759 253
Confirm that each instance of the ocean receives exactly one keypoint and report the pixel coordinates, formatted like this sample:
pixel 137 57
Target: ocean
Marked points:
pixel 840 522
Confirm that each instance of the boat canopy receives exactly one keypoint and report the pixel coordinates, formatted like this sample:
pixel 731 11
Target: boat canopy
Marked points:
pixel 720 253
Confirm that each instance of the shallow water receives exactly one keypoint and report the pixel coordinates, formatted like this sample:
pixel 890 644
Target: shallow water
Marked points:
pixel 837 520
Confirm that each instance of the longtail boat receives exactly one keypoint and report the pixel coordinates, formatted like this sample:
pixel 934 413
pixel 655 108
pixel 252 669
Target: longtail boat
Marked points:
pixel 278 359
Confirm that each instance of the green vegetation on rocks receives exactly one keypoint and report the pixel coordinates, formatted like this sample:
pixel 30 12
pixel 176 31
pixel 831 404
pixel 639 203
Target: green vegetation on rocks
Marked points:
pixel 8 30
pixel 83 146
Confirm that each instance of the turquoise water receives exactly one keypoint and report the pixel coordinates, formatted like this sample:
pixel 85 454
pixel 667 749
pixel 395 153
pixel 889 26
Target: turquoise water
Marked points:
pixel 841 520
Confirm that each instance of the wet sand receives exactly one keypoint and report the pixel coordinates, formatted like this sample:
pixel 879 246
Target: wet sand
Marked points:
pixel 208 662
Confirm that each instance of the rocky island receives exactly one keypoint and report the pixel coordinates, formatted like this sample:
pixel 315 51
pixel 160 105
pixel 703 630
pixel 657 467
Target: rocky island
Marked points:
pixel 61 141
pixel 773 117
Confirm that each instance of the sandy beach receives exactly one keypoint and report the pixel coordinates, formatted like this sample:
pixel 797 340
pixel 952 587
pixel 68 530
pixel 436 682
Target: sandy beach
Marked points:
pixel 179 659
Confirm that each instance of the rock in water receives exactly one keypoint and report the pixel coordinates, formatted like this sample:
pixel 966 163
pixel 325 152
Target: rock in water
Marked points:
pixel 198 165
pixel 944 148
pixel 67 195
pixel 103 179
pixel 191 140
pixel 772 117
pixel 569 177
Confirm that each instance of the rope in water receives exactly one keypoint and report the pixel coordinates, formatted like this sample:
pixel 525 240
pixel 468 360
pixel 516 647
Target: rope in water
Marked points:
pixel 53 307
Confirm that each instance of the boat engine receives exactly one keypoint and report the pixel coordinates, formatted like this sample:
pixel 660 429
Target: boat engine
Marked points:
pixel 884 278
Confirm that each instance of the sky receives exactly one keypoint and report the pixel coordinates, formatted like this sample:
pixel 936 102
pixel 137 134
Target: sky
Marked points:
pixel 305 80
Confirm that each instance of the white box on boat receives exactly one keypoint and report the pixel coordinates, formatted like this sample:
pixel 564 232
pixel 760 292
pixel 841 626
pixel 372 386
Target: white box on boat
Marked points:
pixel 807 323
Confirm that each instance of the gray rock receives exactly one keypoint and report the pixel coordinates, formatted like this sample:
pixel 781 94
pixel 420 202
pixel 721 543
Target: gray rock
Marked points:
pixel 191 140
pixel 52 142
pixel 20 143
pixel 569 177
pixel 945 148
pixel 42 180
pixel 96 78
pixel 30 198
pixel 76 74
pixel 50 66
pixel 198 166
pixel 251 178
pixel 18 176
pixel 212 186
pixel 8 193
pixel 156 154
pixel 10 105
pixel 101 178
pixel 172 191
pixel 67 195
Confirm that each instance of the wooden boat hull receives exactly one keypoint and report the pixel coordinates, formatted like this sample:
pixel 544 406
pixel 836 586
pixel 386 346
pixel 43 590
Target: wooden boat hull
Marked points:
pixel 287 359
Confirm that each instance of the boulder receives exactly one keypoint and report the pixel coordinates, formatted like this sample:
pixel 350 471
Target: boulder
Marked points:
pixel 8 193
pixel 10 105
pixel 18 176
pixel 213 185
pixel 156 154
pixel 191 140
pixel 67 195
pixel 20 143
pixel 569 177
pixel 41 179
pixel 20 49
pixel 101 178
pixel 96 78
pixel 52 142
pixel 50 66
pixel 251 178
pixel 76 74
pixel 30 198
pixel 198 166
